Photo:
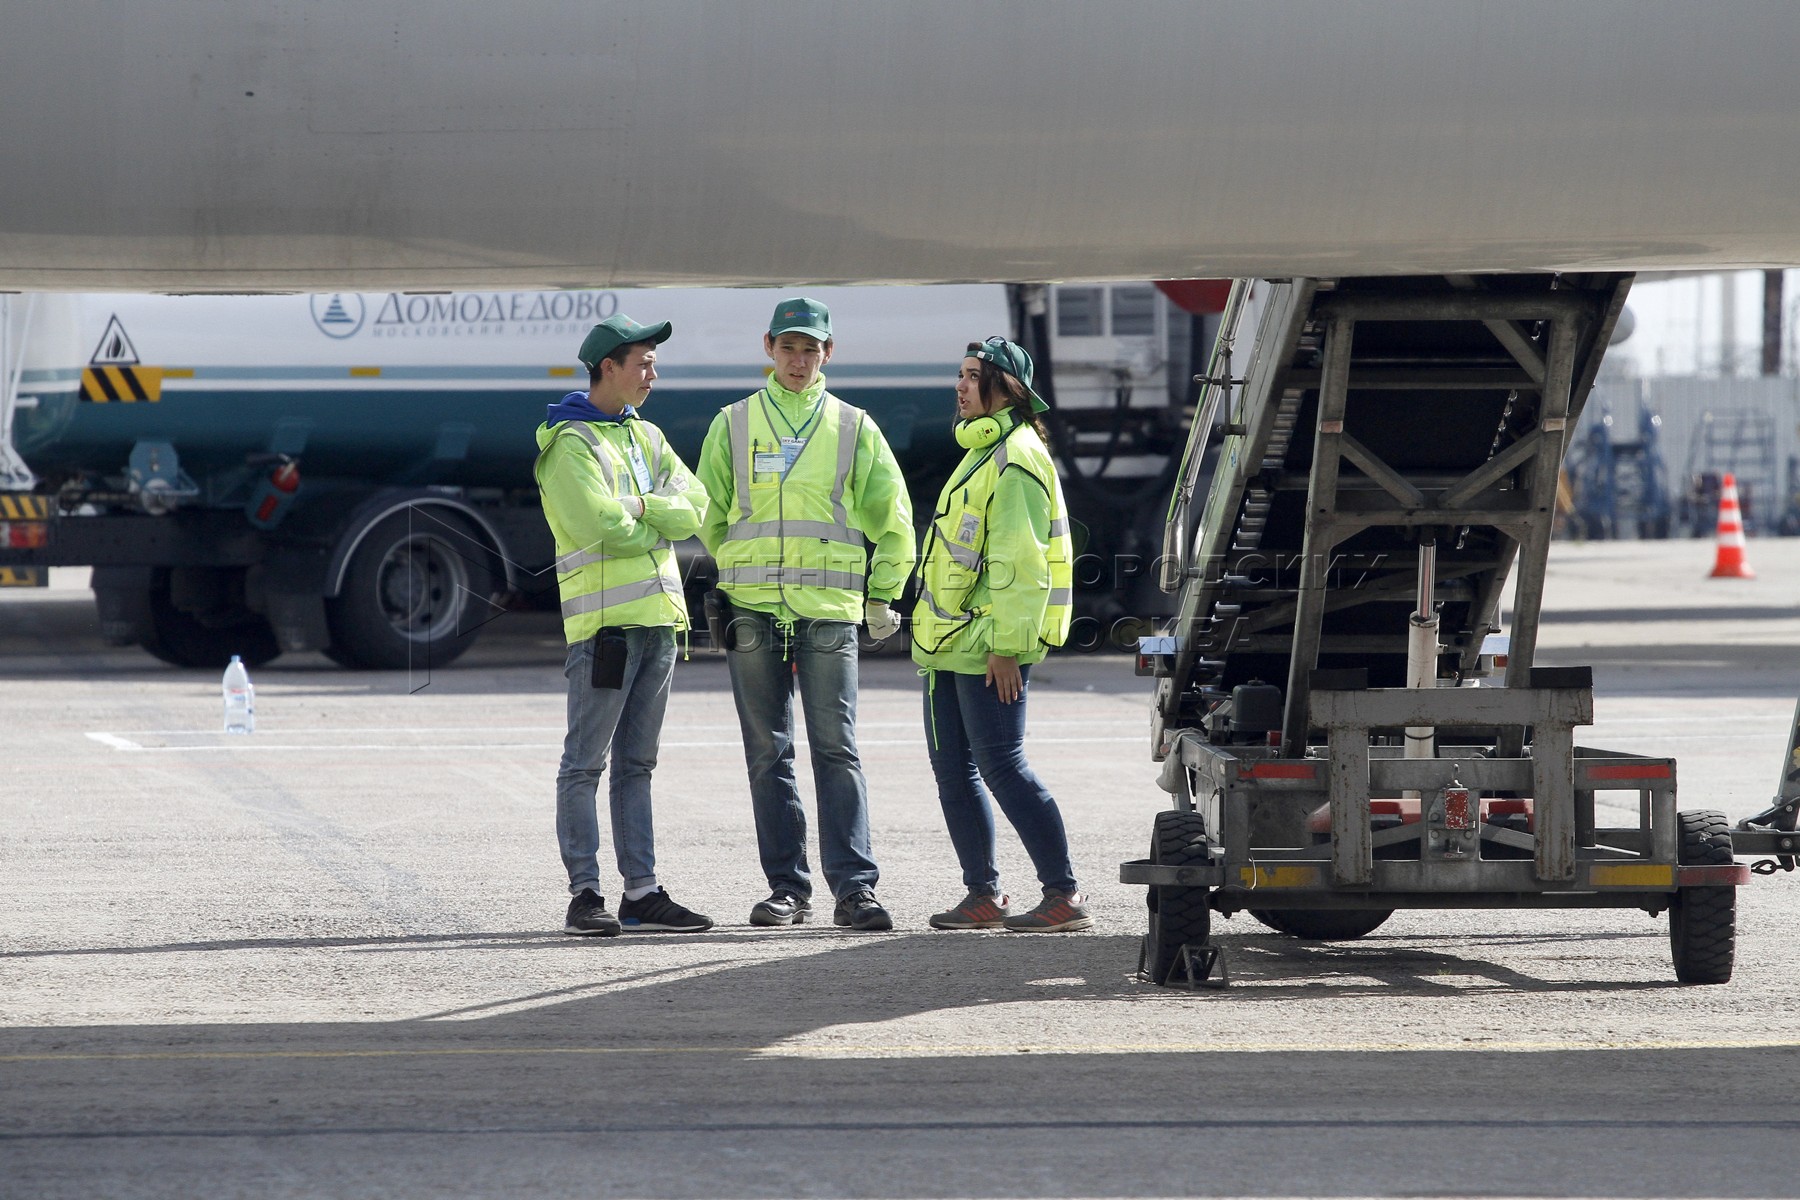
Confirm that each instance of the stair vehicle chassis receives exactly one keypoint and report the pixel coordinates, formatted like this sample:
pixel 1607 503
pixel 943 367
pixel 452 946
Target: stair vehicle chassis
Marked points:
pixel 1337 734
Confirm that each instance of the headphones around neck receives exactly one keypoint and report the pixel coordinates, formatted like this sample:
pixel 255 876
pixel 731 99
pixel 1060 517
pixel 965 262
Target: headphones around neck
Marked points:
pixel 978 433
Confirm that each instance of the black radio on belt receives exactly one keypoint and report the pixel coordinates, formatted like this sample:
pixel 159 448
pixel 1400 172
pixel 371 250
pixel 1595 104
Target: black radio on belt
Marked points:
pixel 609 655
pixel 718 618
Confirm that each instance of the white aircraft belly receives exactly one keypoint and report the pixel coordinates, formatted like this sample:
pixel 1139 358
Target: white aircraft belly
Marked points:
pixel 373 144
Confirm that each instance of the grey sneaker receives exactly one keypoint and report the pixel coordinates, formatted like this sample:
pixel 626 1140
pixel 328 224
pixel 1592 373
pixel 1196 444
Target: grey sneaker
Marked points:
pixel 781 908
pixel 978 910
pixel 1060 912
pixel 588 916
pixel 860 910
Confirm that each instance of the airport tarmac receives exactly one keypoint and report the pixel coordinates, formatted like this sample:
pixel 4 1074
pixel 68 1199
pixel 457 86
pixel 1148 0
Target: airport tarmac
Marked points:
pixel 325 959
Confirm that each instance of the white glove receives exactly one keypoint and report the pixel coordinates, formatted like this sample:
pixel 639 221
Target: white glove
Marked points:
pixel 880 619
pixel 633 505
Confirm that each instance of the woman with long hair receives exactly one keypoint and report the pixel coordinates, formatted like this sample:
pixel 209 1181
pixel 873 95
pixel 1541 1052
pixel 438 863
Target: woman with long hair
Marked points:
pixel 995 597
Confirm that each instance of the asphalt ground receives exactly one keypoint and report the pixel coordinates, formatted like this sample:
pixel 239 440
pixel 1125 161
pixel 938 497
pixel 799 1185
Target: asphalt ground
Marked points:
pixel 325 959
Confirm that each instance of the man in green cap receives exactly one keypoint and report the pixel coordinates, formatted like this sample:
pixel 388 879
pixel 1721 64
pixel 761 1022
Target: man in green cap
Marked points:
pixel 798 483
pixel 616 496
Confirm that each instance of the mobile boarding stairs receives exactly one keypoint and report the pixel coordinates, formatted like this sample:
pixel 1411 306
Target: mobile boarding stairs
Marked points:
pixel 1389 457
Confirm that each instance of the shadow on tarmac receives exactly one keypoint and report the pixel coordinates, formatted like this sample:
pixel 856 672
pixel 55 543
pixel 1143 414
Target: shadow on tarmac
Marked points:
pixel 673 1083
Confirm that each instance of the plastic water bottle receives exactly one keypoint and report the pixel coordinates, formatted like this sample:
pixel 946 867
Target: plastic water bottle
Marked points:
pixel 240 699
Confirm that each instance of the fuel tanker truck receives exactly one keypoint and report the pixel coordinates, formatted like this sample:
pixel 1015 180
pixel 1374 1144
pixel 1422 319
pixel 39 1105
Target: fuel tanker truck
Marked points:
pixel 352 472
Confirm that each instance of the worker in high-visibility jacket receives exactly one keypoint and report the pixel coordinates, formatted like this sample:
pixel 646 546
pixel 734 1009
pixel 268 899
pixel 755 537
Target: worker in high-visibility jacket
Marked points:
pixel 994 597
pixel 616 496
pixel 798 482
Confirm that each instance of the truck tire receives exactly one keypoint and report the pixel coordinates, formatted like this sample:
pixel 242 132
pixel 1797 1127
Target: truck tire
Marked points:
pixel 415 596
pixel 1323 924
pixel 185 639
pixel 1178 915
pixel 1703 920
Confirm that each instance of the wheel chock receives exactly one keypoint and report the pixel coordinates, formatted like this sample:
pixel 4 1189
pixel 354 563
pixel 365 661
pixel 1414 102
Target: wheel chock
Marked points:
pixel 1200 965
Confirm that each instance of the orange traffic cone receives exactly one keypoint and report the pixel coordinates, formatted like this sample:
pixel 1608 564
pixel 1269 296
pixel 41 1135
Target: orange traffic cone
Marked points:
pixel 1730 563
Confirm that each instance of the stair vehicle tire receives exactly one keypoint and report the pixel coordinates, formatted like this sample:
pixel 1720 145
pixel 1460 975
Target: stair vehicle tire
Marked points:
pixel 1178 915
pixel 1703 920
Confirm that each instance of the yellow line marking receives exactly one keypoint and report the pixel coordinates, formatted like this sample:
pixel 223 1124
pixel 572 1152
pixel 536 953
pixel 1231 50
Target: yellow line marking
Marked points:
pixel 364 372
pixel 933 1050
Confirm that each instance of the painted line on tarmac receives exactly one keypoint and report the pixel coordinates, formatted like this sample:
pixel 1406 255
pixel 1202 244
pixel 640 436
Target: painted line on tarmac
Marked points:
pixel 126 746
pixel 932 1050
pixel 1132 721
pixel 115 741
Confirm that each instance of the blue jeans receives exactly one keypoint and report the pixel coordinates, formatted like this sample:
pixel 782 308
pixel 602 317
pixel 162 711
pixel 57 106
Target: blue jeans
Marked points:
pixel 625 725
pixel 824 657
pixel 973 738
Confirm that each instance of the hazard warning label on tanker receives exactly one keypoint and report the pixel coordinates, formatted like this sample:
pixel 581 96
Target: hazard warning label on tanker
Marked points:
pixel 115 375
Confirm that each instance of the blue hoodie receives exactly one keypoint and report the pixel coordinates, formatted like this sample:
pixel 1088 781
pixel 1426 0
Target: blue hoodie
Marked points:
pixel 577 407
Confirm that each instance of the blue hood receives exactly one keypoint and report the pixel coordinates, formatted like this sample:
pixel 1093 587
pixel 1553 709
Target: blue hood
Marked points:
pixel 577 407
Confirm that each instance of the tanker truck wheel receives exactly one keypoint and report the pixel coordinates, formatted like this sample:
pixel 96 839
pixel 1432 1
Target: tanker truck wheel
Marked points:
pixel 416 594
pixel 1703 920
pixel 1323 924
pixel 208 635
pixel 1178 915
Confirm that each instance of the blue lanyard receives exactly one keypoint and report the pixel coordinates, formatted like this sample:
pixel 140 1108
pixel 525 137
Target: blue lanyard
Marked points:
pixel 770 405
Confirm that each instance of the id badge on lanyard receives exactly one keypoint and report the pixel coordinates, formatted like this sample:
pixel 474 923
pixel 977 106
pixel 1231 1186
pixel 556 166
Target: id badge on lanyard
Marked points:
pixel 779 462
pixel 640 470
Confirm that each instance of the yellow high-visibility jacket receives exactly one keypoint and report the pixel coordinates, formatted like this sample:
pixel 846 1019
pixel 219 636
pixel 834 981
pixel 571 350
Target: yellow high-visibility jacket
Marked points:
pixel 613 568
pixel 998 568
pixel 788 524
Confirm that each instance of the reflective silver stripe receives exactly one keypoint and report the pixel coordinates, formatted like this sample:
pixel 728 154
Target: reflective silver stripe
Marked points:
pixel 593 440
pixel 740 454
pixel 1059 527
pixel 846 458
pixel 744 531
pixel 932 604
pixel 657 444
pixel 793 577
pixel 1059 596
pixel 611 597
pixel 1000 458
pixel 577 559
pixel 964 556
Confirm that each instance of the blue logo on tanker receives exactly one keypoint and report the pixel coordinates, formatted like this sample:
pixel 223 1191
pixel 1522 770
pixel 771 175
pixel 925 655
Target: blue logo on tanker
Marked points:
pixel 463 314
pixel 339 314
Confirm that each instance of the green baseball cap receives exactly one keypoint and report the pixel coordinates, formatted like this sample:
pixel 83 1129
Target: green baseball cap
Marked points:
pixel 618 330
pixel 802 314
pixel 1011 358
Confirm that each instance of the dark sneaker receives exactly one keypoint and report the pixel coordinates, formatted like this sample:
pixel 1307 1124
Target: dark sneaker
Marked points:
pixel 860 910
pixel 1060 912
pixel 588 916
pixel 978 910
pixel 656 913
pixel 781 908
